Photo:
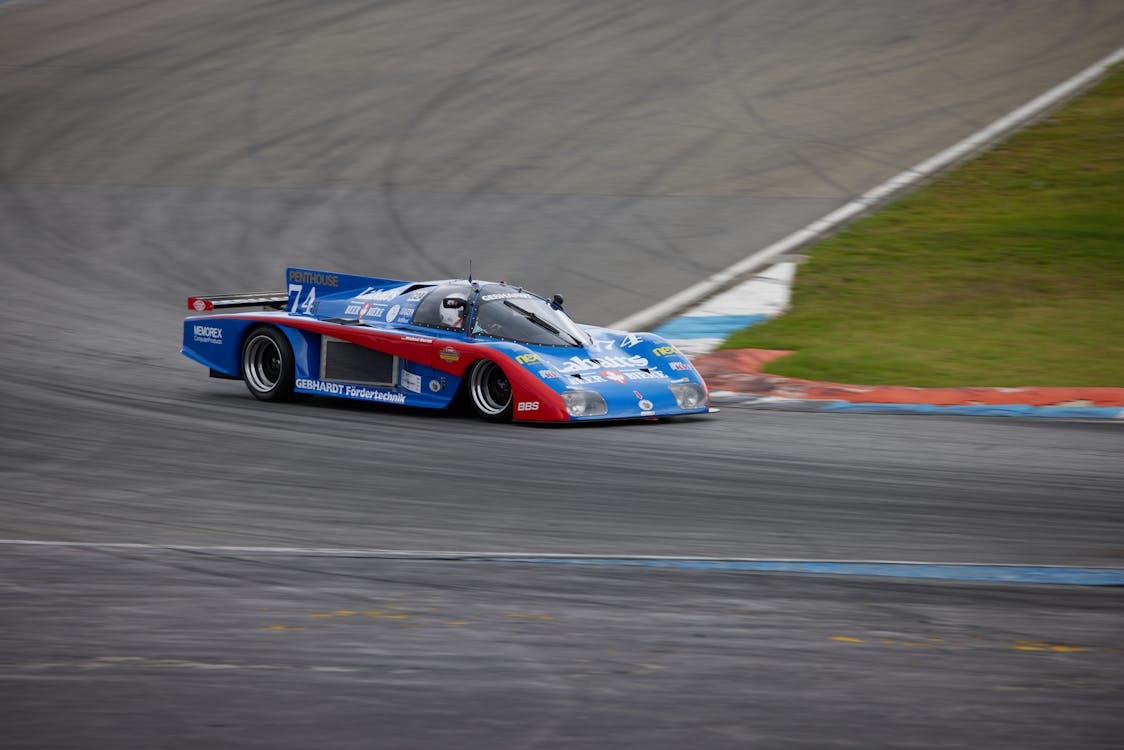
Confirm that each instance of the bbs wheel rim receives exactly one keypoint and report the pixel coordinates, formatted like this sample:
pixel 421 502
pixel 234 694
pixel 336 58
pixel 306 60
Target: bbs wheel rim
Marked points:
pixel 490 389
pixel 262 365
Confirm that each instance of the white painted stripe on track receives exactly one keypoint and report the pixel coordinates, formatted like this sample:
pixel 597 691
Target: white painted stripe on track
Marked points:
pixel 901 570
pixel 718 282
pixel 451 555
pixel 210 548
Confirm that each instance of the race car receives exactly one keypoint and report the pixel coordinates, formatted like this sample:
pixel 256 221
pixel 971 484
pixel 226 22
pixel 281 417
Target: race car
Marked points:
pixel 509 353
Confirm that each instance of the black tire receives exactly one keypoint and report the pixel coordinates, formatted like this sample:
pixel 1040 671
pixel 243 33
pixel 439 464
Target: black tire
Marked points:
pixel 489 392
pixel 268 365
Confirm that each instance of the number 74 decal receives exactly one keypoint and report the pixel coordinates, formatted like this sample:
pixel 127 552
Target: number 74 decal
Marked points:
pixel 295 304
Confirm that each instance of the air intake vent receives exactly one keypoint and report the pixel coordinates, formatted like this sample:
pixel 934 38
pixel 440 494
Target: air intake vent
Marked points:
pixel 344 362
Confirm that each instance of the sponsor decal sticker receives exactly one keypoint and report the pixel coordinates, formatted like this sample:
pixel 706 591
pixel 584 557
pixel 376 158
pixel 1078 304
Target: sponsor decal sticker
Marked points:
pixel 351 391
pixel 200 305
pixel 207 334
pixel 645 405
pixel 614 375
pixel 392 313
pixel 645 375
pixel 417 339
pixel 309 277
pixel 630 341
pixel 374 294
pixel 581 364
pixel 548 374
pixel 505 295
pixel 527 406
pixel 410 381
pixel 617 376
pixel 638 394
pixel 449 354
pixel 360 311
pixel 665 351
pixel 528 359
pixel 436 385
pixel 680 366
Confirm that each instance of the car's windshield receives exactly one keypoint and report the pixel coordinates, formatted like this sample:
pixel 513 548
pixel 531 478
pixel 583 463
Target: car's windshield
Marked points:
pixel 509 313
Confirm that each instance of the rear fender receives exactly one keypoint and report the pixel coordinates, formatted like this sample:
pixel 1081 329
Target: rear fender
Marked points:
pixel 216 342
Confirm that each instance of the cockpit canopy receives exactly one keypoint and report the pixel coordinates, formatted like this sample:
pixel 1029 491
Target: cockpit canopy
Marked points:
pixel 499 311
pixel 436 310
pixel 506 312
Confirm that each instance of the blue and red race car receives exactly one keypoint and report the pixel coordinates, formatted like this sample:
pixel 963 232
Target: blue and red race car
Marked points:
pixel 509 353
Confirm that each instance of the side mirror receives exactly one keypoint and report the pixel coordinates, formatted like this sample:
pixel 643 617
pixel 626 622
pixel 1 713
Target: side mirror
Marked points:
pixel 557 301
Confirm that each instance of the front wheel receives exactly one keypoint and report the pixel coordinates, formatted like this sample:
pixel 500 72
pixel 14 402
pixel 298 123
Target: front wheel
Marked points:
pixel 268 365
pixel 489 390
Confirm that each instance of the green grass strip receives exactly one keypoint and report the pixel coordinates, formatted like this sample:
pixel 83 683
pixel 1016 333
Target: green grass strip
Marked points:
pixel 1006 271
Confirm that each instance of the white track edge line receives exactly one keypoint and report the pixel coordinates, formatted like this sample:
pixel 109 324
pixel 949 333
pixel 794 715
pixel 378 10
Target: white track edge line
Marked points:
pixel 449 555
pixel 719 281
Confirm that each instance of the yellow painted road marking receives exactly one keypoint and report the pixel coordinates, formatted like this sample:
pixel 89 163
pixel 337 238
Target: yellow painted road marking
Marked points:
pixel 1044 646
pixel 1022 645
pixel 528 617
pixel 375 613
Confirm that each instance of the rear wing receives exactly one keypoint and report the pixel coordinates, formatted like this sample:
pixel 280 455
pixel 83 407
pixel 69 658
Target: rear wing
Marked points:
pixel 271 300
pixel 305 286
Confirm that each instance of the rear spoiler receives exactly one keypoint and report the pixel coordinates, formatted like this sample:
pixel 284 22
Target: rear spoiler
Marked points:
pixel 275 300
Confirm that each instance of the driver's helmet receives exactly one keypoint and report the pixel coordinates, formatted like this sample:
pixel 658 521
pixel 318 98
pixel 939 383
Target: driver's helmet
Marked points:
pixel 452 313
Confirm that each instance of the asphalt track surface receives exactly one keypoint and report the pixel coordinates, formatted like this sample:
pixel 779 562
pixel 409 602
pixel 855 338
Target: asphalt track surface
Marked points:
pixel 615 152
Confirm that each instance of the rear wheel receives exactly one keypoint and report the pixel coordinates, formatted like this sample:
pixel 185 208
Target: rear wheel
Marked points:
pixel 489 390
pixel 268 365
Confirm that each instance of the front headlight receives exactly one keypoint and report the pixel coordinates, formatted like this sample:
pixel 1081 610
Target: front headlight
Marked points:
pixel 585 403
pixel 688 395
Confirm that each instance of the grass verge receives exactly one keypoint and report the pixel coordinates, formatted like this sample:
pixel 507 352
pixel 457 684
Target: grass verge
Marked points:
pixel 1006 271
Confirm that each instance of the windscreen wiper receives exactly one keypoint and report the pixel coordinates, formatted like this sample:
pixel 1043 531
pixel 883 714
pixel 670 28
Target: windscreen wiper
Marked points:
pixel 531 316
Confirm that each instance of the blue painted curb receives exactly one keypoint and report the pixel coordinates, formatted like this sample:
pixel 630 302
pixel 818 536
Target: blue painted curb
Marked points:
pixel 982 410
pixel 750 400
pixel 707 326
pixel 946 572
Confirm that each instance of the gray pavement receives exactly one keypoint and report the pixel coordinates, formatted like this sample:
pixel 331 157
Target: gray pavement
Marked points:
pixel 615 152
pixel 139 649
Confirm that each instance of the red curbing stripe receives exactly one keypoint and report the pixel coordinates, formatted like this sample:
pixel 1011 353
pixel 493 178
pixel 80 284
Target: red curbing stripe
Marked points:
pixel 739 370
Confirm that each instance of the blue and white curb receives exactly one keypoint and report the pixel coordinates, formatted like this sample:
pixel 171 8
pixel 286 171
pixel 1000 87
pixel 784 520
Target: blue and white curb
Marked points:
pixel 711 317
pixel 690 298
pixel 706 326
